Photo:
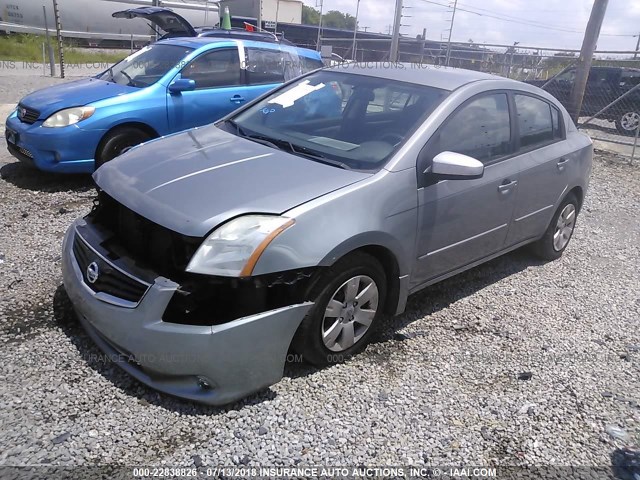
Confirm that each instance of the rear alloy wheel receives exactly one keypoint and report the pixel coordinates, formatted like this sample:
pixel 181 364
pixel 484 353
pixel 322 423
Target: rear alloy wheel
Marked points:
pixel 349 299
pixel 628 122
pixel 558 235
pixel 118 142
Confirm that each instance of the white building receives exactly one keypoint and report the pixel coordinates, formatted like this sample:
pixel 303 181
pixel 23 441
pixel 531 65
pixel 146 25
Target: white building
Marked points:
pixel 288 11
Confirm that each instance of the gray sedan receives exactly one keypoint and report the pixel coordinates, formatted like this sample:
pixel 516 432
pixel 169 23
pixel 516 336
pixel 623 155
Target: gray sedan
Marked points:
pixel 295 223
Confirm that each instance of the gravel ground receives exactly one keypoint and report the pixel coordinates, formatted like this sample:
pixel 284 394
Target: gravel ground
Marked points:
pixel 512 363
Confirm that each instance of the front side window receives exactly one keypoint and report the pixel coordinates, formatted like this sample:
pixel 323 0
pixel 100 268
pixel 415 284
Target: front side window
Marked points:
pixel 534 121
pixel 220 68
pixel 146 66
pixel 569 76
pixel 265 66
pixel 353 121
pixel 480 129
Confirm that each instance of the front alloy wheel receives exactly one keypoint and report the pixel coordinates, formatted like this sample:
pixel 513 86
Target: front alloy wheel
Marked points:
pixel 350 313
pixel 348 302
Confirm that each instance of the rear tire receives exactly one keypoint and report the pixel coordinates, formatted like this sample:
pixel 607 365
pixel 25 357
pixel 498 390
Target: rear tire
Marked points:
pixel 117 142
pixel 627 123
pixel 560 231
pixel 349 301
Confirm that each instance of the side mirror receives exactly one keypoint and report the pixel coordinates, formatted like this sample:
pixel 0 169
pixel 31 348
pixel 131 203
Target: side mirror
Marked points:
pixel 182 85
pixel 456 166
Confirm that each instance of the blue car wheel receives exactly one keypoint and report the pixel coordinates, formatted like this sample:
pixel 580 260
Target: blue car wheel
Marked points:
pixel 119 141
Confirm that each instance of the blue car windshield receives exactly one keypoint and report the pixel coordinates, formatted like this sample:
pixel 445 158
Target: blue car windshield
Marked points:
pixel 146 66
pixel 349 120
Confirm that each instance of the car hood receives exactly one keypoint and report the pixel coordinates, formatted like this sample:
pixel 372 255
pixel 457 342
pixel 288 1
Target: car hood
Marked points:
pixel 194 181
pixel 72 94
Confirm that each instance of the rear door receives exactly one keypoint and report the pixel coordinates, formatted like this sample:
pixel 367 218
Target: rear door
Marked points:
pixel 545 162
pixel 265 68
pixel 219 89
pixel 601 89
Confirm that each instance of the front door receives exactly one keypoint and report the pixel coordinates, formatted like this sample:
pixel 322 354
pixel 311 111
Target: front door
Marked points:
pixel 219 90
pixel 463 221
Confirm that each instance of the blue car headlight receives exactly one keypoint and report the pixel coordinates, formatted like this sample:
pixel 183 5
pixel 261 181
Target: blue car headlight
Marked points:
pixel 67 117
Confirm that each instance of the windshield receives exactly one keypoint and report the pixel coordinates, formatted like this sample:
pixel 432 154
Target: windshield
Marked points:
pixel 352 121
pixel 146 66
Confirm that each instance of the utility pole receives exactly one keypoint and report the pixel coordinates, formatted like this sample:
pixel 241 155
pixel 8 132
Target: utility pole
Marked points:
pixel 395 40
pixel 259 16
pixel 635 55
pixel 56 14
pixel 583 65
pixel 320 24
pixel 355 32
pixel 52 57
pixel 453 17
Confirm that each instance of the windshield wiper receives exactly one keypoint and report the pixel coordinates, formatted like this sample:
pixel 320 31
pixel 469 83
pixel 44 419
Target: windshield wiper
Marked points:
pixel 315 155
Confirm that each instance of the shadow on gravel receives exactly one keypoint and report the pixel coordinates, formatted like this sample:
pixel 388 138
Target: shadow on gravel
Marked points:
pixel 28 178
pixel 441 295
pixel 429 301
pixel 625 463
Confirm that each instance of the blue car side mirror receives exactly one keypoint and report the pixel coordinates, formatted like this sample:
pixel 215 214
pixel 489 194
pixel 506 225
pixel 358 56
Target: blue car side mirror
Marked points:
pixel 182 85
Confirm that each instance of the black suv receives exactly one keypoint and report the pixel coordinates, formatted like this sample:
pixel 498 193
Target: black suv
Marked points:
pixel 605 85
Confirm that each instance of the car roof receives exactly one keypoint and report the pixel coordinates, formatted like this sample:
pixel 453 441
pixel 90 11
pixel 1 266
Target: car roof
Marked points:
pixel 199 42
pixel 445 78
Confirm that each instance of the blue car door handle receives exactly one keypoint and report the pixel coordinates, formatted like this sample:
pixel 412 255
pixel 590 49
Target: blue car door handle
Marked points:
pixel 237 99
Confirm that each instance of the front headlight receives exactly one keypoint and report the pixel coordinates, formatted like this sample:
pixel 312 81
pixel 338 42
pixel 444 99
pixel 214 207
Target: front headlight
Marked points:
pixel 234 249
pixel 67 117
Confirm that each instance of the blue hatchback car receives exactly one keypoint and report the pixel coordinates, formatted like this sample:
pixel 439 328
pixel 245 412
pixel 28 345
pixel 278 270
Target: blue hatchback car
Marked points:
pixel 169 86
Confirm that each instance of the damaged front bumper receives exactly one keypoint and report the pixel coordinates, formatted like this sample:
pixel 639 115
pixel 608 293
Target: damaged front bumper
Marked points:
pixel 209 364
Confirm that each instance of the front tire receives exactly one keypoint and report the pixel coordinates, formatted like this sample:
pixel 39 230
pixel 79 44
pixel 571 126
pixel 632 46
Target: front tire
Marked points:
pixel 119 141
pixel 560 231
pixel 627 123
pixel 349 301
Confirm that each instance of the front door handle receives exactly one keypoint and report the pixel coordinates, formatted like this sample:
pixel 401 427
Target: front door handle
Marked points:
pixel 562 163
pixel 237 99
pixel 507 186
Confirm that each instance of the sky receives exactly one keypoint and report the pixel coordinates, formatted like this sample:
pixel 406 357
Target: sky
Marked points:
pixel 537 23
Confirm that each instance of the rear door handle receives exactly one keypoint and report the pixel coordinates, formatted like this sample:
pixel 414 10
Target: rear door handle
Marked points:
pixel 237 99
pixel 562 163
pixel 507 187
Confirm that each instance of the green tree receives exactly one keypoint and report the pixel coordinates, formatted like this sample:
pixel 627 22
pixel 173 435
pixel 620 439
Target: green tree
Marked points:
pixel 332 19
pixel 336 19
pixel 310 16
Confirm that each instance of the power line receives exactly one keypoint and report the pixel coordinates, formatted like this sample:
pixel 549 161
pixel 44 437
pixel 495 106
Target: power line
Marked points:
pixel 511 19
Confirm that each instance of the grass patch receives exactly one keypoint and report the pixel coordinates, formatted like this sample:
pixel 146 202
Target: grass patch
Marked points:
pixel 28 48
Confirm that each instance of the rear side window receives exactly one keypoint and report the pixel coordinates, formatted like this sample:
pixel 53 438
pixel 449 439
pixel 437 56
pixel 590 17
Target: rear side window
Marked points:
pixel 480 129
pixel 311 64
pixel 220 68
pixel 535 121
pixel 265 66
pixel 556 119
